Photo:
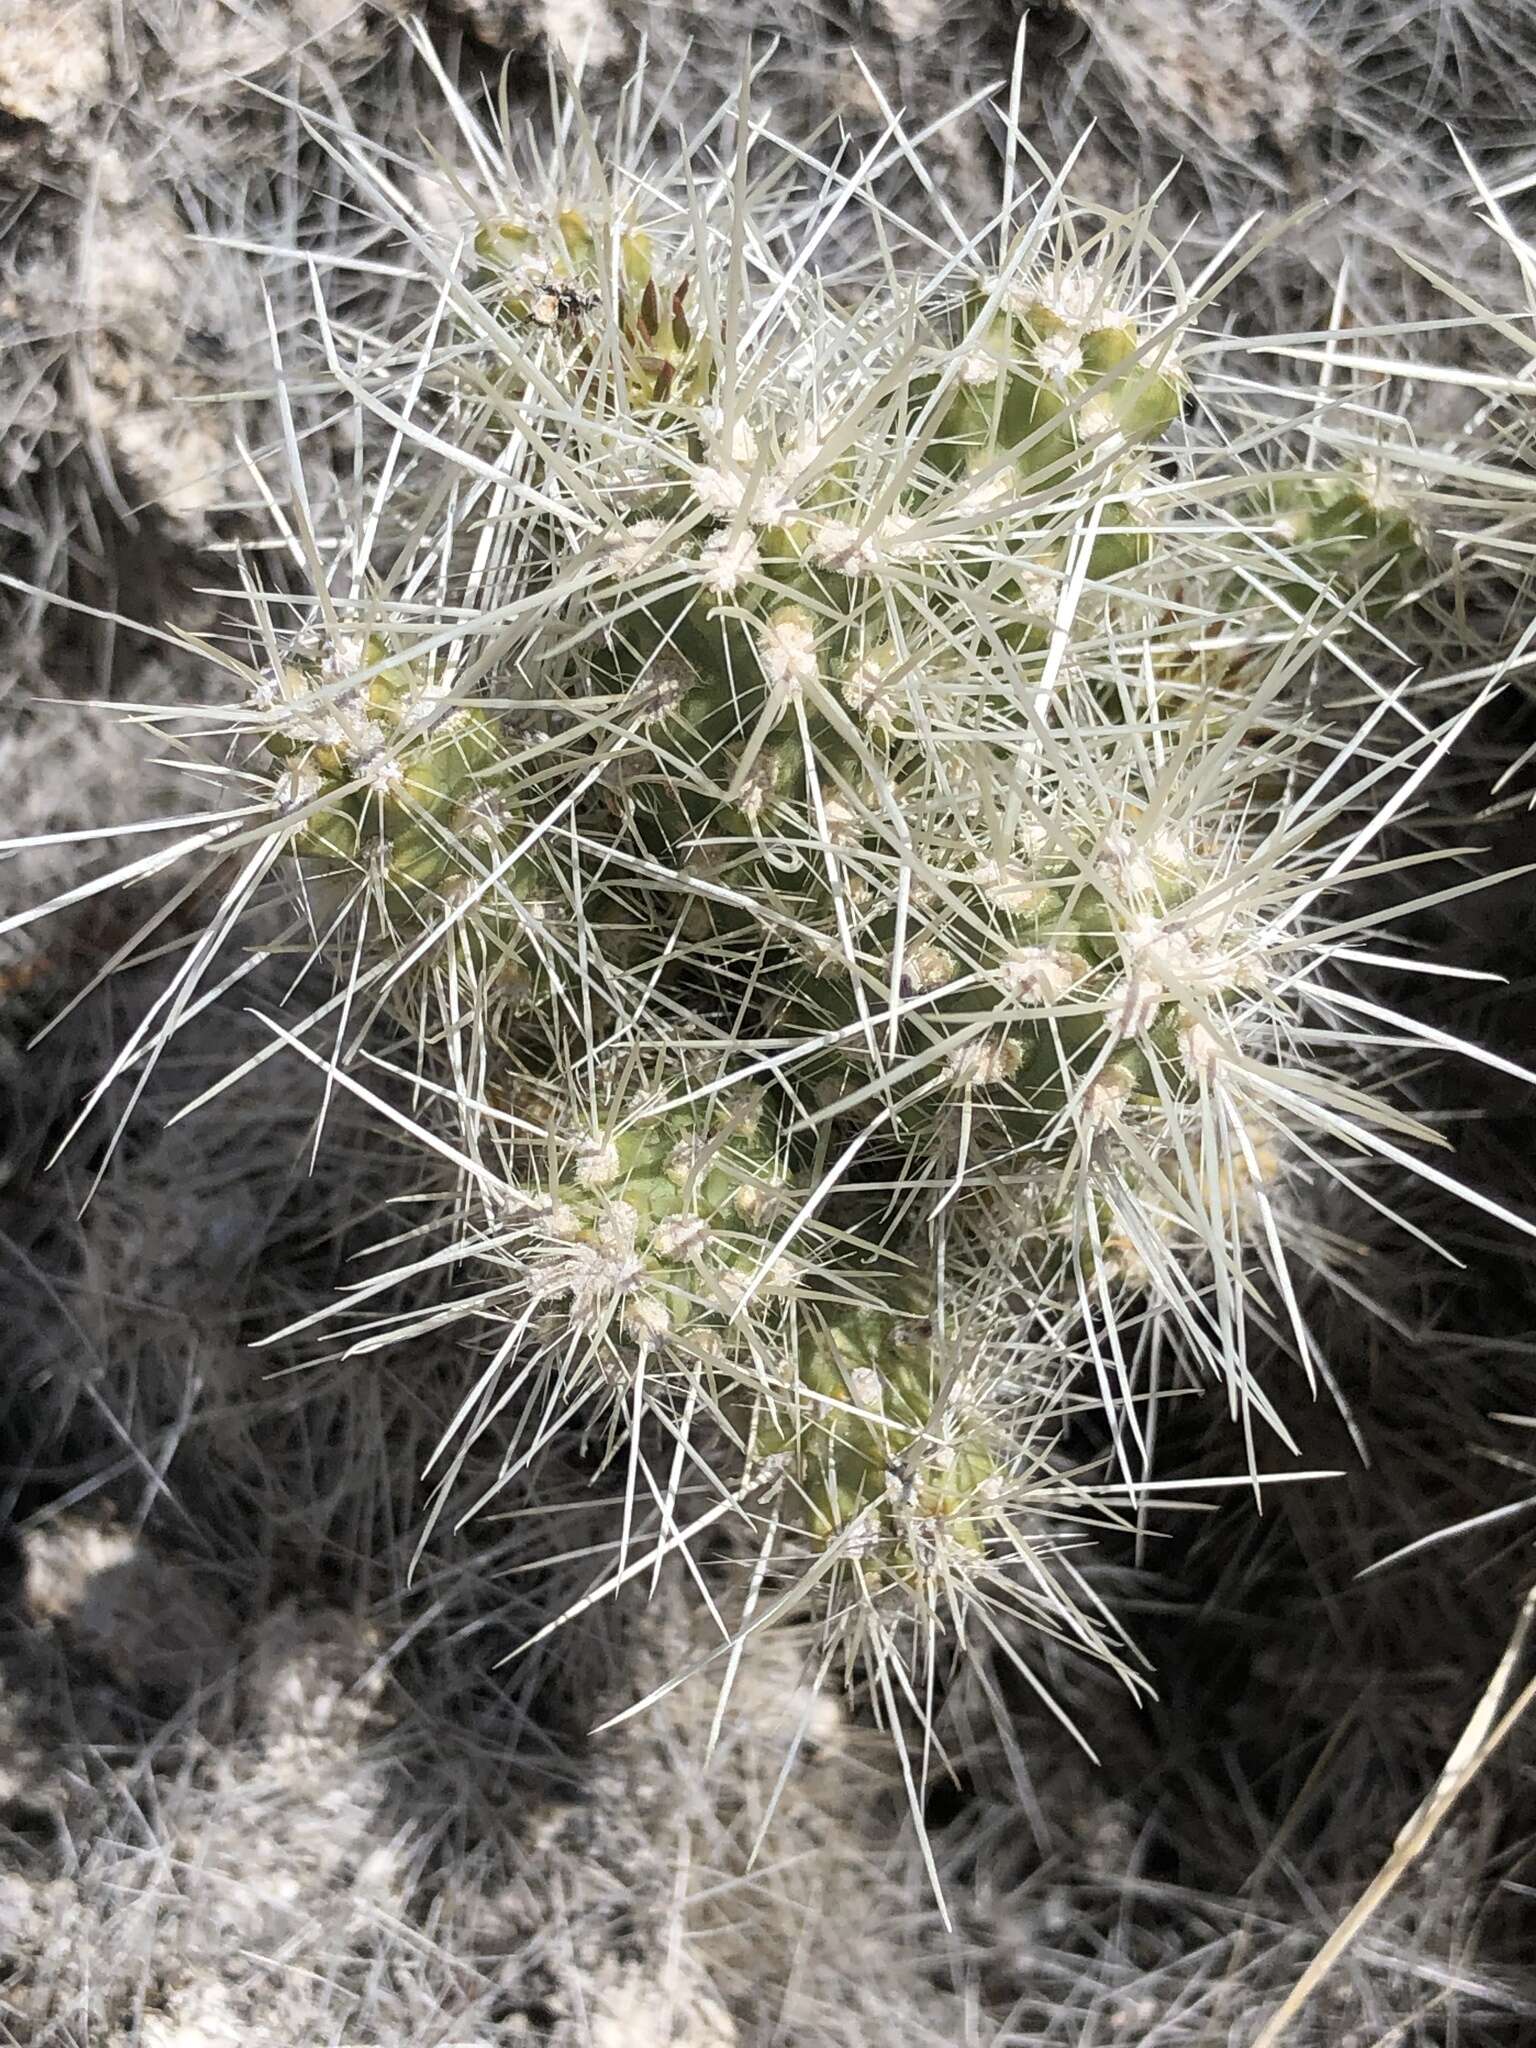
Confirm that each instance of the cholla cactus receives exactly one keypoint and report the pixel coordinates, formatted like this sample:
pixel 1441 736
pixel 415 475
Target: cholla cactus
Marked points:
pixel 818 774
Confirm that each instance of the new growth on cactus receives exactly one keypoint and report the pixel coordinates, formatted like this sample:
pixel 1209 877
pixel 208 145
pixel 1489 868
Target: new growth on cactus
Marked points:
pixel 813 795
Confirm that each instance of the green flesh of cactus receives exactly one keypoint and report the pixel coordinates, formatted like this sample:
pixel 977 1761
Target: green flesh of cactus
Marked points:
pixel 1045 391
pixel 667 1216
pixel 382 774
pixel 881 1463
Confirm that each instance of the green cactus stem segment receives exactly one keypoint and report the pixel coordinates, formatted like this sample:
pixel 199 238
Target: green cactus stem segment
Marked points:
pixel 887 1461
pixel 394 784
pixel 653 1230
pixel 1050 384
pixel 1348 532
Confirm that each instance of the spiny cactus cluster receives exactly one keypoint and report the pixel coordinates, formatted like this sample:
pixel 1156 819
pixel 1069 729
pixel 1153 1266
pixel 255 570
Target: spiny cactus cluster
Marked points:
pixel 813 790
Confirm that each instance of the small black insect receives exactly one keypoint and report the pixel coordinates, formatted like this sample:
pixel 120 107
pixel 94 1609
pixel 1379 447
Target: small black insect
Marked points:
pixel 560 303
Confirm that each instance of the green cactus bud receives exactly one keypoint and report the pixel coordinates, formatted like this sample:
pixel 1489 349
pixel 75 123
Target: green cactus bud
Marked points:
pixel 559 278
pixel 1349 531
pixel 1051 377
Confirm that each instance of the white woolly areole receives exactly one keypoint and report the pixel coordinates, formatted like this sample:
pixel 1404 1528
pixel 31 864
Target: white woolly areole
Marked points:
pixel 633 548
pixel 1132 1005
pixel 295 786
pixel 343 656
pixel 863 1536
pixel 381 772
pixel 730 1288
pixel 598 1166
pixel 926 967
pixel 1200 1050
pixel 1132 869
pixel 838 545
pixel 563 1223
pixel 739 446
pixel 462 892
pixel 1039 591
pixel 774 504
pixel 486 816
pixel 719 490
pixel 1105 1097
pixel 1099 422
pixel 754 790
pixel 596 1268
pixel 1191 951
pixel 845 821
pixel 902 539
pixel 984 496
pixel 869 690
pixel 1040 975
pixel 799 456
pixel 980 368
pixel 1009 887
pixel 727 561
pixel 985 1061
pixel 666 681
pixel 854 551
pixel 752 1201
pixel 786 647
pixel 432 693
pixel 939 1461
pixel 684 1160
pixel 680 1237
pixel 864 1388
pixel 1170 851
pixel 1058 356
pixel 783 1276
pixel 318 729
pixel 1075 296
pixel 721 486
pixel 823 954
pixel 1380 487
pixel 647 1320
pixel 1162 952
